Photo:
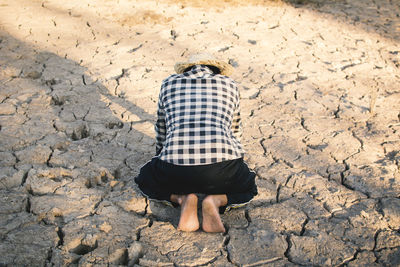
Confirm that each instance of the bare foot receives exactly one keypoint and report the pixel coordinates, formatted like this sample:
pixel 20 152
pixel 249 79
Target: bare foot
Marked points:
pixel 210 208
pixel 188 221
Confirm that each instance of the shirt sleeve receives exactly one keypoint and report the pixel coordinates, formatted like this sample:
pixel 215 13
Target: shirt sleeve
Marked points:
pixel 237 122
pixel 160 127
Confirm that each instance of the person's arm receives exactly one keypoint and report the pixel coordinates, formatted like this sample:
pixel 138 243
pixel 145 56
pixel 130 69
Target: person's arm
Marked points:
pixel 237 122
pixel 160 127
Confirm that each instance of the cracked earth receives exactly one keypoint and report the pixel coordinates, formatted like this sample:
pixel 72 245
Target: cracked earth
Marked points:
pixel 320 100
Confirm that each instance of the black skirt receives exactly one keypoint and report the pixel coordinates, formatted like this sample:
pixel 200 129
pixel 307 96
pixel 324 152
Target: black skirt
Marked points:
pixel 159 179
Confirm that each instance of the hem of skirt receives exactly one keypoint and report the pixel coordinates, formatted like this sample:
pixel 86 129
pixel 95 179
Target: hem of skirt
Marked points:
pixel 165 202
pixel 229 207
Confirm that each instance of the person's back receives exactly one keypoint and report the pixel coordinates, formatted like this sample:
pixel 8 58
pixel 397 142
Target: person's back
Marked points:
pixel 202 118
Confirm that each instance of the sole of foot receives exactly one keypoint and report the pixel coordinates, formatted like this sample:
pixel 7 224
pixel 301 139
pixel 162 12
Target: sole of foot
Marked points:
pixel 211 220
pixel 189 221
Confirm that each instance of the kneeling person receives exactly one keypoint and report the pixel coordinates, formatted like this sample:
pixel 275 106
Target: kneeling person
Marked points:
pixel 198 147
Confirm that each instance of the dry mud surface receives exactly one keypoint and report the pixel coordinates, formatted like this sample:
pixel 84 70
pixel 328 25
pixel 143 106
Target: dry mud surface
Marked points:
pixel 320 95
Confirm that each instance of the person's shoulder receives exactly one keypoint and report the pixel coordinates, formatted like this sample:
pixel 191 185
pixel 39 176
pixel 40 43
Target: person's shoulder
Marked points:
pixel 170 79
pixel 227 80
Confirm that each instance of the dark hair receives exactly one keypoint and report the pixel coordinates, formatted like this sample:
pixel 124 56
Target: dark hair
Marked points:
pixel 214 69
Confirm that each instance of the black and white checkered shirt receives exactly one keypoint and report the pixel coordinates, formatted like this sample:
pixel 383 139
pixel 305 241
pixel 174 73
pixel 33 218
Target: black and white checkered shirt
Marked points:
pixel 198 118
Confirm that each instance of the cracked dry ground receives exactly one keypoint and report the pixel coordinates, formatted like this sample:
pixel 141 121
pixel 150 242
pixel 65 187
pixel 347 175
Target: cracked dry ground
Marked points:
pixel 79 82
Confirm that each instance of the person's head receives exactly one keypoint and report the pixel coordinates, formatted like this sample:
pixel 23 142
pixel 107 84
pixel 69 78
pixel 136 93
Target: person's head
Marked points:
pixel 217 66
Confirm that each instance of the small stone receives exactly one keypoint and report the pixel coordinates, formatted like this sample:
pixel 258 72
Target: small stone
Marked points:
pixel 105 227
pixel 233 63
pixel 135 251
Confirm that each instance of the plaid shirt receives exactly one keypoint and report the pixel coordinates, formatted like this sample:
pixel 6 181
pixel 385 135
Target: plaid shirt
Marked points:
pixel 198 118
